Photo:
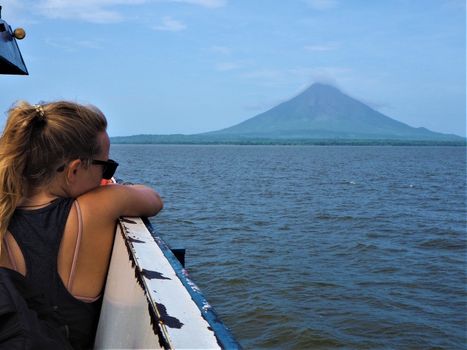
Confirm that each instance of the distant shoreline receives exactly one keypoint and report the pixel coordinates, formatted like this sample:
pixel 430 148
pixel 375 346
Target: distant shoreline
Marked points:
pixel 191 140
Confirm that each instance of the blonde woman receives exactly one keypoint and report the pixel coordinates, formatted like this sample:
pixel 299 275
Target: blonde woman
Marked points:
pixel 57 223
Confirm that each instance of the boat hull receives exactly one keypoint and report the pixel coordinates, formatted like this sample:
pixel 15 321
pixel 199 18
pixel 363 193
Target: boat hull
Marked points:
pixel 150 301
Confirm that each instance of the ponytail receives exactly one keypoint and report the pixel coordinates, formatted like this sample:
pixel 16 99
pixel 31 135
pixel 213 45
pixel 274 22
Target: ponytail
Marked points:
pixel 35 141
pixel 14 143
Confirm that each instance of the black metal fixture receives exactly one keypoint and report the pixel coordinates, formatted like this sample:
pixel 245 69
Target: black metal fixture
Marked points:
pixel 11 61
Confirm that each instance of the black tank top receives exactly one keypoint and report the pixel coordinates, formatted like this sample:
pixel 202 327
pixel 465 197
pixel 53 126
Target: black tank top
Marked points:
pixel 38 234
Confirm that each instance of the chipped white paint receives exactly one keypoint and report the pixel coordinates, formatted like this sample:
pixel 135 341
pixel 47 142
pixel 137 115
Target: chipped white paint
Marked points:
pixel 125 319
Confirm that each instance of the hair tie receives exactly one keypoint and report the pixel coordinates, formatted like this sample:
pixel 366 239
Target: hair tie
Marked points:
pixel 40 110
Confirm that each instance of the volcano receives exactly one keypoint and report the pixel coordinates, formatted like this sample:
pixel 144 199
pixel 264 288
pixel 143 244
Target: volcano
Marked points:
pixel 323 111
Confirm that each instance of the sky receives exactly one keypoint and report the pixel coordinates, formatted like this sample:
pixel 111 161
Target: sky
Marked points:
pixel 192 66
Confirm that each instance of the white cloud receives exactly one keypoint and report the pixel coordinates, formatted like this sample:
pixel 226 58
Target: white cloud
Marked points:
pixel 456 4
pixel 264 74
pixel 96 11
pixel 325 74
pixel 12 10
pixel 204 3
pixel 60 44
pixel 223 50
pixel 321 47
pixel 322 4
pixel 226 66
pixel 171 25
pixel 304 75
pixel 90 44
pixel 71 45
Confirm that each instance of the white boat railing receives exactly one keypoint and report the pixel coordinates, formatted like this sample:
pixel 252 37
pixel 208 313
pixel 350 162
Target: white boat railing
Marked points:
pixel 149 300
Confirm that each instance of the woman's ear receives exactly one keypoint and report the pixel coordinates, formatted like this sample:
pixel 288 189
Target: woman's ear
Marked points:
pixel 72 170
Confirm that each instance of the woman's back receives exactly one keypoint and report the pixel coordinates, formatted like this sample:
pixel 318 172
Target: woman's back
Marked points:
pixel 33 244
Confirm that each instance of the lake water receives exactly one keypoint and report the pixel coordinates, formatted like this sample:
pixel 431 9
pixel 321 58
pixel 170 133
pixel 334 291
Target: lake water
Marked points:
pixel 324 247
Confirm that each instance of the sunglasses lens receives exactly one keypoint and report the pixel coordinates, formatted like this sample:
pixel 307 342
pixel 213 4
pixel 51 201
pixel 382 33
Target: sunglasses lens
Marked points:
pixel 109 169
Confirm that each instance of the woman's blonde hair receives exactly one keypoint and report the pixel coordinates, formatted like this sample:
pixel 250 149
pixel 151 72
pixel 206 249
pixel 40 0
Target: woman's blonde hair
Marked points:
pixel 38 139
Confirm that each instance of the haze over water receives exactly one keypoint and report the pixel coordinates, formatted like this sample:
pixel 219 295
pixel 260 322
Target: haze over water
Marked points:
pixel 318 247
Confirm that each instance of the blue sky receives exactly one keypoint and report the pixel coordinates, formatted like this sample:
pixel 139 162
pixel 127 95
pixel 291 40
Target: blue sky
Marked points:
pixel 189 66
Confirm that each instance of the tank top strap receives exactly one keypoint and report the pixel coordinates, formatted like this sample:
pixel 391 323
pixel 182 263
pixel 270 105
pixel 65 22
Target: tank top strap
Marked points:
pixel 77 245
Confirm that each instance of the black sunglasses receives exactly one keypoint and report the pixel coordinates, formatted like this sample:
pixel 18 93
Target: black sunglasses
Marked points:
pixel 109 167
pixel 108 170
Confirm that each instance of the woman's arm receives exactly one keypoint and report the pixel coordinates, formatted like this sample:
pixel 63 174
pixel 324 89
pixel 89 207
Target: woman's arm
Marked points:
pixel 115 200
pixel 135 200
